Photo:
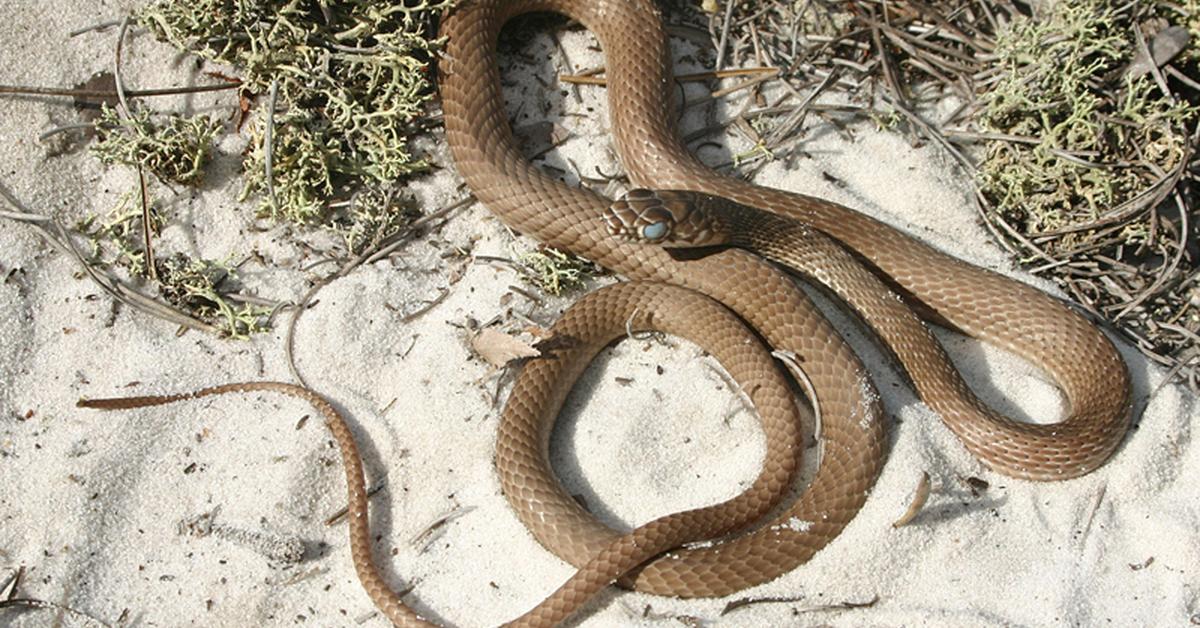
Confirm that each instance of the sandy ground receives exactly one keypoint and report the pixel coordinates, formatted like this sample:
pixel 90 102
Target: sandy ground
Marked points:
pixel 91 504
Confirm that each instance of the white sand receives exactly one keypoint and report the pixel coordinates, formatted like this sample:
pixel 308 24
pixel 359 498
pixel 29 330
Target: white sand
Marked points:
pixel 90 503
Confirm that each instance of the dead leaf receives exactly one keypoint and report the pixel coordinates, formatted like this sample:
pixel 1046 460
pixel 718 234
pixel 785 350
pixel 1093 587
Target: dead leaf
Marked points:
pixel 499 348
pixel 244 105
pixel 1168 43
pixel 541 333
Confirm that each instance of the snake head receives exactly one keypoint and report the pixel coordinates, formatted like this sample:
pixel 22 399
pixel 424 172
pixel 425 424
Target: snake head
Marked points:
pixel 670 218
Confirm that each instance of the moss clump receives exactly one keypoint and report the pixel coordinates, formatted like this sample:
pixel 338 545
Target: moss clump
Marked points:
pixel 198 287
pixel 555 272
pixel 171 146
pixel 352 78
pixel 1062 90
pixel 374 214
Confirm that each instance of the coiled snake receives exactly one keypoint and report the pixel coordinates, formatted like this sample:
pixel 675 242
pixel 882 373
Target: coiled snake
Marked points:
pixel 886 276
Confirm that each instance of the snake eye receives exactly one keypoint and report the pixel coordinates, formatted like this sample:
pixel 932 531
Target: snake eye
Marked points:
pixel 654 231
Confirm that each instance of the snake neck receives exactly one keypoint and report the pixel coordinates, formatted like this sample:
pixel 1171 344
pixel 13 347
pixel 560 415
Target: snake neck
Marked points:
pixel 764 233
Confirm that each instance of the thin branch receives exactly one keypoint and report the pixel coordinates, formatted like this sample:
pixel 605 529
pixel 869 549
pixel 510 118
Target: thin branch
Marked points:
pixel 120 84
pixel 729 6
pixel 589 78
pixel 147 227
pixel 269 146
pixel 20 90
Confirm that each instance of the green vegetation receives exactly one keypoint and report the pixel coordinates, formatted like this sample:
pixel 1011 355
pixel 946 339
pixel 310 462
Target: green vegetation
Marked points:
pixel 1077 118
pixel 115 239
pixel 555 272
pixel 374 214
pixel 349 80
pixel 352 80
pixel 199 288
pixel 174 149
pixel 1098 137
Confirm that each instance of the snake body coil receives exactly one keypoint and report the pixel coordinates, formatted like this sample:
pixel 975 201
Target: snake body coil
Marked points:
pixel 980 303
pixel 859 259
pixel 571 219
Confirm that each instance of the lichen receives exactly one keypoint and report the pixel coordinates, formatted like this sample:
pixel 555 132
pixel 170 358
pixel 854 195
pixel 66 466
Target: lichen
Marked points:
pixel 199 287
pixel 173 147
pixel 373 215
pixel 115 238
pixel 353 78
pixel 554 271
pixel 1064 94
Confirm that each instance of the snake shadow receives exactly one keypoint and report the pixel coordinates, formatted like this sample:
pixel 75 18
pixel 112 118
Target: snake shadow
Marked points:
pixel 565 457
pixel 566 439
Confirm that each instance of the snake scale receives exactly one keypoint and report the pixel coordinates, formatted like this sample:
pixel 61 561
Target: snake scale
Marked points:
pixel 884 275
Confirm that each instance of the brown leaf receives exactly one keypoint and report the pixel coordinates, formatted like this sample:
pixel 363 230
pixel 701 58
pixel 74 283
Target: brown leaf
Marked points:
pixel 499 348
pixel 244 104
pixel 918 502
pixel 1166 44
pixel 541 333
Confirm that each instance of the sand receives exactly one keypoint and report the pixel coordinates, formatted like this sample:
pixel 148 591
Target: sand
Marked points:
pixel 105 511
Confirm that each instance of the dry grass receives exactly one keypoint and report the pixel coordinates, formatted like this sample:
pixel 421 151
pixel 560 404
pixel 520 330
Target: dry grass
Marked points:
pixel 1078 120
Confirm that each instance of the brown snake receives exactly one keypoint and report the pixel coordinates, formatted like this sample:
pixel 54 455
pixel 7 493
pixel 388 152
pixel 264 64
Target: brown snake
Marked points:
pixel 854 256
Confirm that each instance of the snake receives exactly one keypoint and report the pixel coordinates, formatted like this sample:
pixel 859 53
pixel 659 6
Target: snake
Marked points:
pixel 682 220
pixel 736 293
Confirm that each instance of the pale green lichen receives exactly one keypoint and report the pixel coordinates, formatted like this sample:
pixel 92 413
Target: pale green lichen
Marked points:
pixel 373 215
pixel 353 78
pixel 554 271
pixel 115 240
pixel 198 287
pixel 1062 87
pixel 886 119
pixel 173 147
pixel 758 151
pixel 821 19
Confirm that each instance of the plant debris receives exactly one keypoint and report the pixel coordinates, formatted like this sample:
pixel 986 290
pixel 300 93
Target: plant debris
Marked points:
pixel 280 550
pixel 749 601
pixel 352 80
pixel 203 289
pixel 174 150
pixel 374 214
pixel 200 287
pixel 920 496
pixel 554 271
pixel 115 238
pixel 1078 120
pixel 499 349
